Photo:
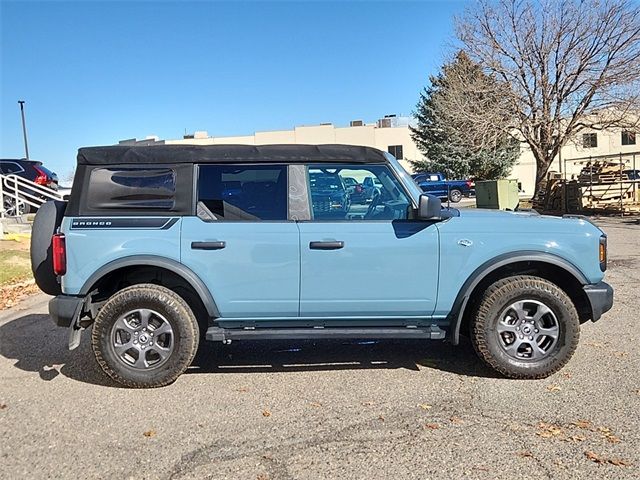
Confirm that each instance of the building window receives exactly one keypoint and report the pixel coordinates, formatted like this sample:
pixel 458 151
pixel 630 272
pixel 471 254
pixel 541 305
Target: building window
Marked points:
pixel 396 151
pixel 589 140
pixel 628 138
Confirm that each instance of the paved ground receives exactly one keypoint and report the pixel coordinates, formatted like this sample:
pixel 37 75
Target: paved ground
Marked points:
pixel 325 410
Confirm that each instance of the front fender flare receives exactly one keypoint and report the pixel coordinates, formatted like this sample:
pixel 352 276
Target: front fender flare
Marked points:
pixel 460 303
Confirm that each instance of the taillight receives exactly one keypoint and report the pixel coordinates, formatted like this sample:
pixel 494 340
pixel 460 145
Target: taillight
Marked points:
pixel 59 254
pixel 42 178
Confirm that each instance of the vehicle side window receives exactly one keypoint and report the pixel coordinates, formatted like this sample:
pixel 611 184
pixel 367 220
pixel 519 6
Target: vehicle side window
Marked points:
pixel 243 192
pixel 356 192
pixel 132 189
pixel 10 167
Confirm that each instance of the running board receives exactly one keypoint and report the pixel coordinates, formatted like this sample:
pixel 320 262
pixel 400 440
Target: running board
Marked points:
pixel 226 335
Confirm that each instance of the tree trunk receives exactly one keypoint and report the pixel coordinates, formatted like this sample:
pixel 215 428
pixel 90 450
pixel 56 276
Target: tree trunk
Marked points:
pixel 542 167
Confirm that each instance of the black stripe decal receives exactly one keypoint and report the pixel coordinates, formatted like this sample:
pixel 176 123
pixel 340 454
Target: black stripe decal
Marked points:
pixel 144 223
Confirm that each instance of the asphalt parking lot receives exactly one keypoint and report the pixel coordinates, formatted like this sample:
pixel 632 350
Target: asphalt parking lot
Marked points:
pixel 263 411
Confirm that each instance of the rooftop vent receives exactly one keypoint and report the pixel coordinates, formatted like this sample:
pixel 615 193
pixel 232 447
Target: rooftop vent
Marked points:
pixel 356 123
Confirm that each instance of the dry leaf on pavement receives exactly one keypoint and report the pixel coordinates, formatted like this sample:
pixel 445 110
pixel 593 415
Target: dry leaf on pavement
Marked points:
pixel 149 433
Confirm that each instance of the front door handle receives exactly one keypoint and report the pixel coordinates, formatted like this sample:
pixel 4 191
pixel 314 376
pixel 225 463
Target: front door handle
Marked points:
pixel 208 245
pixel 333 245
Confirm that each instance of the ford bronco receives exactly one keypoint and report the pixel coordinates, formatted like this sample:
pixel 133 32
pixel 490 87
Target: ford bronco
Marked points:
pixel 162 247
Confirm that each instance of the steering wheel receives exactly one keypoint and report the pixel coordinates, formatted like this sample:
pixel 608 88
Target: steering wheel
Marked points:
pixel 375 201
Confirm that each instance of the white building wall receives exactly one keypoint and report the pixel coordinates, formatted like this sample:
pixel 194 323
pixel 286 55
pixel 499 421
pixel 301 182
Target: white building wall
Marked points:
pixel 371 135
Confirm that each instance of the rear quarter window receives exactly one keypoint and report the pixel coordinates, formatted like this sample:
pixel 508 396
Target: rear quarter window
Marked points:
pixel 132 189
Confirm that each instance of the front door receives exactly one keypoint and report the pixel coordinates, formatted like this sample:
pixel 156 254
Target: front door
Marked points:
pixel 241 243
pixel 365 258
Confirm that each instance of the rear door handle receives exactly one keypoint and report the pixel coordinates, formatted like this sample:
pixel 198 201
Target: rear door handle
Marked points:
pixel 333 245
pixel 208 245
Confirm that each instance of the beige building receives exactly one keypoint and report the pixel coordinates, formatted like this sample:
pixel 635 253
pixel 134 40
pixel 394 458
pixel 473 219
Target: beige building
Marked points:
pixel 390 134
pixel 618 145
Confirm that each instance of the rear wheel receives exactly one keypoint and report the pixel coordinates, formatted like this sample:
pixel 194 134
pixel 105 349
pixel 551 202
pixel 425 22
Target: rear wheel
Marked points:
pixel 13 210
pixel 145 336
pixel 455 195
pixel 525 327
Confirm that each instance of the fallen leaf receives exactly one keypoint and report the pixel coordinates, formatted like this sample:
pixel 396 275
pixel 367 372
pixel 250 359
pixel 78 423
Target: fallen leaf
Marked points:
pixel 553 388
pixel 3 406
pixel 266 413
pixel 601 460
pixel 456 420
pixel 620 354
pixel 577 438
pixel 548 430
pixel 262 476
pixel 424 406
pixel 525 454
pixel 584 424
pixel 431 426
pixel 426 363
pixel 594 344
pixel 316 404
pixel 366 404
pixel 381 418
pixel 149 433
pixel 242 389
pixel 566 374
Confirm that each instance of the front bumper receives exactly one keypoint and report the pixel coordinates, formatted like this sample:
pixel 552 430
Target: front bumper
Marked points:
pixel 600 297
pixel 64 309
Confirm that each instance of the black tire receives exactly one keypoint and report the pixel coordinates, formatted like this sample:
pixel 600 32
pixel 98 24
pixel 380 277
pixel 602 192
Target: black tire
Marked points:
pixel 176 313
pixel 494 307
pixel 47 221
pixel 455 195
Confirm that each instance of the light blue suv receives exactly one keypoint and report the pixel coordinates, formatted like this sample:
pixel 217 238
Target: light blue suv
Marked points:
pixel 162 247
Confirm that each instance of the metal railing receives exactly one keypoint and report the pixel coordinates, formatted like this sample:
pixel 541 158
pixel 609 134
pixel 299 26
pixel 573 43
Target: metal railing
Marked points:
pixel 16 192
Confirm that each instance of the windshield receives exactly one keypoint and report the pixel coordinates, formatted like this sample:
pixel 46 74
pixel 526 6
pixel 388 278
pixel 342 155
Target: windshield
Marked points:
pixel 414 190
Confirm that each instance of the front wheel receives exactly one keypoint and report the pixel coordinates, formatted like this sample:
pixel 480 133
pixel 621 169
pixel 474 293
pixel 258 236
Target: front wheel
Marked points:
pixel 145 336
pixel 525 327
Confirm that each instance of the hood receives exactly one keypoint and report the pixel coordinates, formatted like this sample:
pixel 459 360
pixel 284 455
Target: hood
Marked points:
pixel 527 221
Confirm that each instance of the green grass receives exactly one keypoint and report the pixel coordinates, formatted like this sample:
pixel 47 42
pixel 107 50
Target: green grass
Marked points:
pixel 15 266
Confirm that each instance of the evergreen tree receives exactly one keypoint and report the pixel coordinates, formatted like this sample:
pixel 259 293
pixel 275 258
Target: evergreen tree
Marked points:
pixel 450 140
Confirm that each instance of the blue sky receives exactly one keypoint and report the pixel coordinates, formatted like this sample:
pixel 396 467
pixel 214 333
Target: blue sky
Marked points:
pixel 93 73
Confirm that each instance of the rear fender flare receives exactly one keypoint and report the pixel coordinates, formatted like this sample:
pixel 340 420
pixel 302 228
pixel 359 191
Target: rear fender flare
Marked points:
pixel 150 260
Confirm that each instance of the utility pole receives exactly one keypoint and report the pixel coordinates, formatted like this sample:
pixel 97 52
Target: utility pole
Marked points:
pixel 24 129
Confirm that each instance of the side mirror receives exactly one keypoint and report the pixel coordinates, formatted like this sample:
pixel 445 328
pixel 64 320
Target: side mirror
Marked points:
pixel 429 208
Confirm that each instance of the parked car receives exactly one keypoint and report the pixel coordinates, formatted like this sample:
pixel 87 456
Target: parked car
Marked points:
pixel 30 170
pixel 329 194
pixel 355 190
pixel 436 184
pixel 185 258
pixel 371 186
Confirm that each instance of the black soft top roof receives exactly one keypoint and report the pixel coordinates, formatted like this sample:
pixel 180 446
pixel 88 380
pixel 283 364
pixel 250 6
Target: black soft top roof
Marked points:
pixel 120 154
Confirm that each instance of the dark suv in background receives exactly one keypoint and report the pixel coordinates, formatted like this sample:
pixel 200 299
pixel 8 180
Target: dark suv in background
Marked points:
pixel 31 170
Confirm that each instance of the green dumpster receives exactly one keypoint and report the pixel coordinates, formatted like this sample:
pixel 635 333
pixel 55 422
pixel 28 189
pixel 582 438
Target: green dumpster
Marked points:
pixel 497 194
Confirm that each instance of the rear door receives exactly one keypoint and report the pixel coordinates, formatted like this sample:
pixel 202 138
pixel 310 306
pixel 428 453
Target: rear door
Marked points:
pixel 373 261
pixel 241 242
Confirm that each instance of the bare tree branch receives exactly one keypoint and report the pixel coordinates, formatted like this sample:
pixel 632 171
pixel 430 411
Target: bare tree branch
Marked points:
pixel 568 65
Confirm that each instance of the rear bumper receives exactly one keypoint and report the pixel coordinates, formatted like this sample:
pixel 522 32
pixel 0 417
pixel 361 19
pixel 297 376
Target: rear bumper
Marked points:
pixel 64 309
pixel 600 297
